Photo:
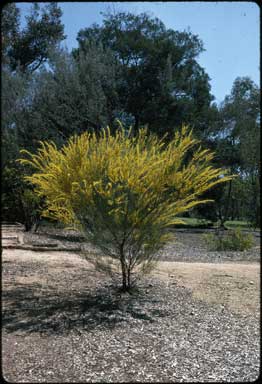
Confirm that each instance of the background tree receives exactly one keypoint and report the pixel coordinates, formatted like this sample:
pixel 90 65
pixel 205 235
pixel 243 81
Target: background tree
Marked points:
pixel 74 96
pixel 161 84
pixel 10 22
pixel 14 103
pixel 236 139
pixel 14 92
pixel 23 52
pixel 29 47
pixel 241 128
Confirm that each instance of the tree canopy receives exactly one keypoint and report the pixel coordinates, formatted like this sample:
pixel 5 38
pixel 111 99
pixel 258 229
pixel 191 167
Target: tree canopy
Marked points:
pixel 29 47
pixel 161 83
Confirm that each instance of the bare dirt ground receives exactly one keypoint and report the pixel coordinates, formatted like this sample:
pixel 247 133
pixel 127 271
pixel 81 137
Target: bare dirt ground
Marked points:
pixel 65 322
pixel 234 285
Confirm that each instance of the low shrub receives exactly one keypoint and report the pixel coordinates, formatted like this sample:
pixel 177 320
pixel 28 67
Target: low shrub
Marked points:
pixel 122 191
pixel 233 240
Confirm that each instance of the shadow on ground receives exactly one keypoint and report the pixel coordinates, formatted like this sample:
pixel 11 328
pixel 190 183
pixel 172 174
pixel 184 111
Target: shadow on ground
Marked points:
pixel 26 308
pixel 45 236
pixel 64 237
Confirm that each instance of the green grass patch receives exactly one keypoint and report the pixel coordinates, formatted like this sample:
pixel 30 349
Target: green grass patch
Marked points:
pixel 192 222
pixel 237 224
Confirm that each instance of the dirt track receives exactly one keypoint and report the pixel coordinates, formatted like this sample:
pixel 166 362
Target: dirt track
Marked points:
pixel 234 285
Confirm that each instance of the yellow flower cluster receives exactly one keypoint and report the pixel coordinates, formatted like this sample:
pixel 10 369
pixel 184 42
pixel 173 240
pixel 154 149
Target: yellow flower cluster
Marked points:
pixel 131 181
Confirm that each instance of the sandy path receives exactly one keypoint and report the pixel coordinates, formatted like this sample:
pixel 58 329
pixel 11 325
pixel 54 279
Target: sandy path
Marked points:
pixel 234 285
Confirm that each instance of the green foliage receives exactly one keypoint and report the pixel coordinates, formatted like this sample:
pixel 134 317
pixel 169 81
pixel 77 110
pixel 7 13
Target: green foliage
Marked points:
pixel 70 97
pixel 14 89
pixel 233 240
pixel 24 50
pixel 236 139
pixel 160 83
pixel 19 202
pixel 239 129
pixel 10 202
pixel 29 48
pixel 123 191
pixel 74 96
pixel 9 27
pixel 31 204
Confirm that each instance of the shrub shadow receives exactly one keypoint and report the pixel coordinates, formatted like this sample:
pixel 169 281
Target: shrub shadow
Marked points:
pixel 74 238
pixel 27 308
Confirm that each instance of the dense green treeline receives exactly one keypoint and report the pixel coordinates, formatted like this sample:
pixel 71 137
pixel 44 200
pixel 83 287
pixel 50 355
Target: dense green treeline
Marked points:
pixel 130 68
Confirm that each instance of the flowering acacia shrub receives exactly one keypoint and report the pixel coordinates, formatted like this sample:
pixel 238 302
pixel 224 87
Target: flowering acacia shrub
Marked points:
pixel 122 191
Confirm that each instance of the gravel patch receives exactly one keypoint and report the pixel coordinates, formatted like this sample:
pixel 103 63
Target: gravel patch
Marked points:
pixel 190 247
pixel 67 323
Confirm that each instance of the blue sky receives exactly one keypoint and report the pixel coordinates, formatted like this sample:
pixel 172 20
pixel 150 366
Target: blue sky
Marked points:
pixel 229 30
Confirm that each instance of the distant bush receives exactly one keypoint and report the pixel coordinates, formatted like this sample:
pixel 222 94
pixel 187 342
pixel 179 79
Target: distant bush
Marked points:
pixel 234 240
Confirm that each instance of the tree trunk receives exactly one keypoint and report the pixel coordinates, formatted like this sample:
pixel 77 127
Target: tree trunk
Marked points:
pixel 233 210
pixel 225 218
pixel 228 200
pixel 124 278
pixel 128 278
pixel 36 224
pixel 136 126
pixel 124 270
